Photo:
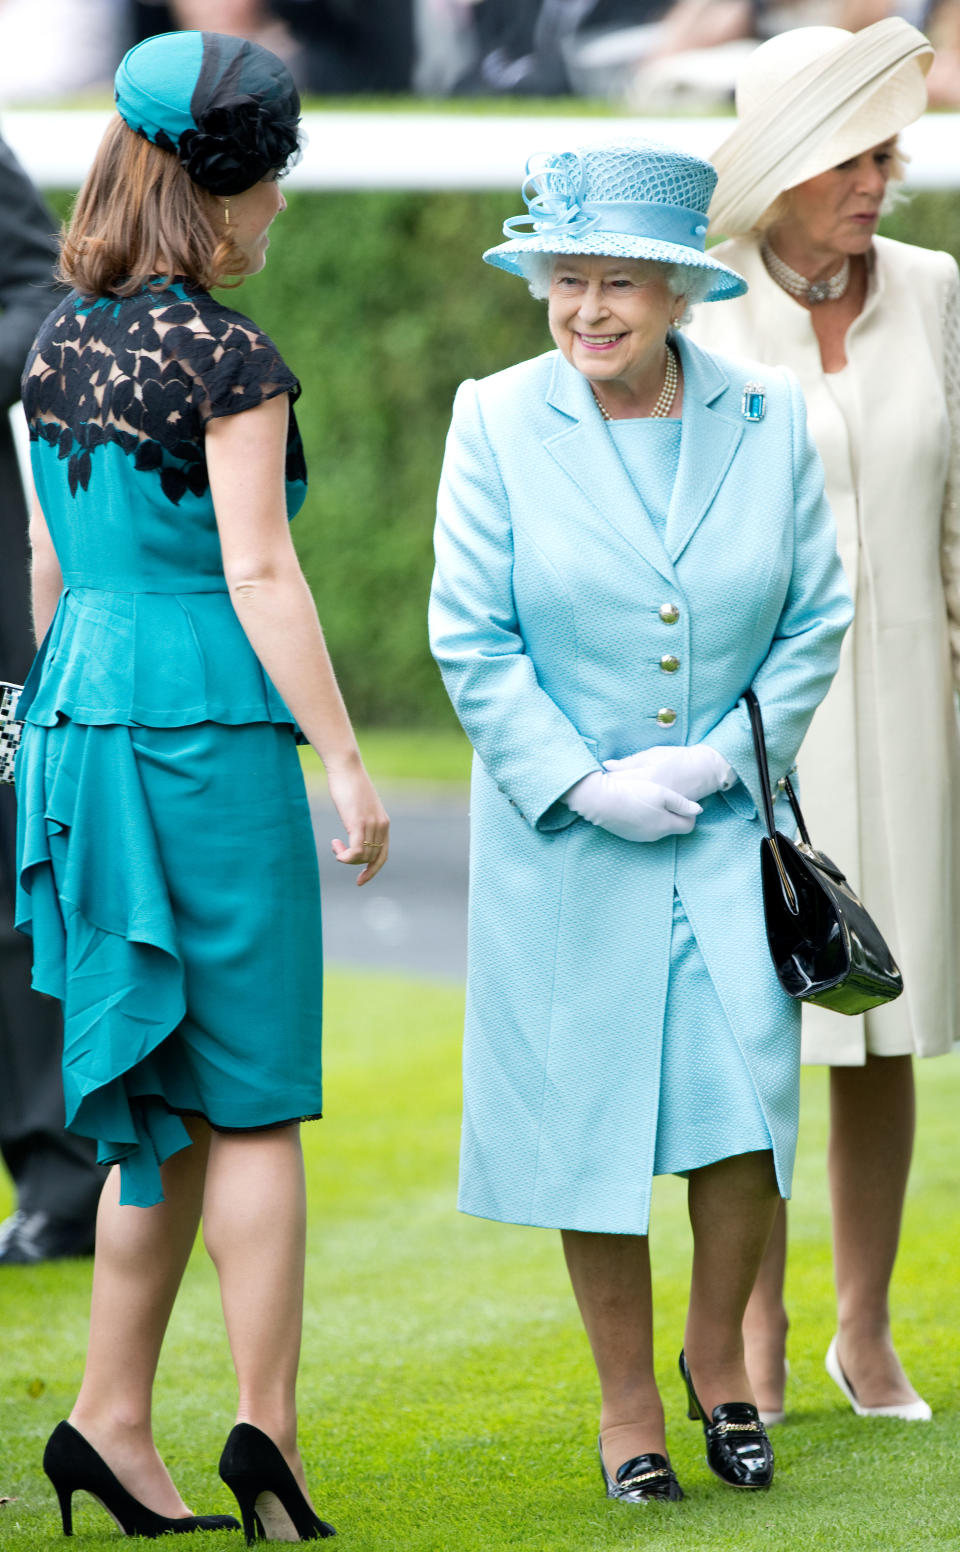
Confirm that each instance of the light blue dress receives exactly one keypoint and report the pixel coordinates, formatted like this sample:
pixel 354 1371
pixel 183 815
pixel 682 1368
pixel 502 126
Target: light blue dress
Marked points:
pixel 708 1107
pixel 556 599
pixel 167 870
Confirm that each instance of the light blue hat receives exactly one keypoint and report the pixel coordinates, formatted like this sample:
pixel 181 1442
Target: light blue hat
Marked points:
pixel 630 199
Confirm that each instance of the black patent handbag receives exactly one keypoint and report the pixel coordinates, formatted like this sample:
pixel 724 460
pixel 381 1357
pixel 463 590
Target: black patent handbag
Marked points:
pixel 825 945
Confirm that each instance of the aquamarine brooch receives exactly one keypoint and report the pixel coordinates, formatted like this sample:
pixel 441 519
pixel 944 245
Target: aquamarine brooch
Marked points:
pixel 754 401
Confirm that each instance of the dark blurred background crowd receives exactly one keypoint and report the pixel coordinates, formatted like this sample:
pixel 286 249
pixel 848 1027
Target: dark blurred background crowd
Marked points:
pixel 648 55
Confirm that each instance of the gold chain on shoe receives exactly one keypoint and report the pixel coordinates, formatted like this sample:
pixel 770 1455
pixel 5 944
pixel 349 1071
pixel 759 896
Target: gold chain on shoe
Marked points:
pixel 647 1476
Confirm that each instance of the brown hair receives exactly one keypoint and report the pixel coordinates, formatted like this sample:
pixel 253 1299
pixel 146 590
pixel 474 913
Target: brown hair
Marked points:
pixel 139 213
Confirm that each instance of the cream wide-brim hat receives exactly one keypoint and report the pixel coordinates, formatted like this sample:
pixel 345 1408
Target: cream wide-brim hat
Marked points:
pixel 808 100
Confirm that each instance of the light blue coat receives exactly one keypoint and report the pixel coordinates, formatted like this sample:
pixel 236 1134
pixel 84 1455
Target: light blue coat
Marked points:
pixel 545 620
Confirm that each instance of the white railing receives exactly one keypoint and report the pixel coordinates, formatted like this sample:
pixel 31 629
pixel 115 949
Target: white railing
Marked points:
pixel 434 150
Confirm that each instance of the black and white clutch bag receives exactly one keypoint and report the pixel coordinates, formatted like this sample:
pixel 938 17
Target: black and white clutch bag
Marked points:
pixel 10 728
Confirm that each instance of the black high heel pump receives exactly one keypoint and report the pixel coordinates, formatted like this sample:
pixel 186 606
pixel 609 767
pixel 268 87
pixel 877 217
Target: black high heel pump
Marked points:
pixel 271 1503
pixel 738 1450
pixel 74 1466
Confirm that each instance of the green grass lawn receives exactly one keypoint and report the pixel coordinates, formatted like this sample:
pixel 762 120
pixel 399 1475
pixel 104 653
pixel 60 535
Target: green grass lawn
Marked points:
pixel 427 756
pixel 447 1396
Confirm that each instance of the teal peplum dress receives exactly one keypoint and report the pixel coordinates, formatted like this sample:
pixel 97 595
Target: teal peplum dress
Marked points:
pixel 708 1105
pixel 167 868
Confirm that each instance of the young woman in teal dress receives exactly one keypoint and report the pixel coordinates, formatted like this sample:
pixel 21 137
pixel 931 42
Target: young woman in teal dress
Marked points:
pixel 167 865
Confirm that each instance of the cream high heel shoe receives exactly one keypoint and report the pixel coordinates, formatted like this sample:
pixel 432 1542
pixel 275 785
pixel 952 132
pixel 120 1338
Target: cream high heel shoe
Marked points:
pixel 908 1411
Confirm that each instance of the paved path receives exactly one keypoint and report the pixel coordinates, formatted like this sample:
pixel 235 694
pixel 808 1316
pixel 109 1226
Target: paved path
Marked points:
pixel 413 916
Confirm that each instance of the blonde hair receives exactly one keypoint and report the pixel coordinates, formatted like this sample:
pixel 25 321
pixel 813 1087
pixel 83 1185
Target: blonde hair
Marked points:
pixel 781 207
pixel 137 212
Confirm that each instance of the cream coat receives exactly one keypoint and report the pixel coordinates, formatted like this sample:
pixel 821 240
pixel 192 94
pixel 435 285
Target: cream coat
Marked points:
pixel 880 766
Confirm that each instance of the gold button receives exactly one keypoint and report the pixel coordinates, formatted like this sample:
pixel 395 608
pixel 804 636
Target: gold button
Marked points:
pixel 666 716
pixel 669 663
pixel 669 613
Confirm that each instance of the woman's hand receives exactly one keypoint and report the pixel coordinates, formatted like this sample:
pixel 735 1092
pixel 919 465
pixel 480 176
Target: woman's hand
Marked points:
pixel 696 771
pixel 629 805
pixel 365 819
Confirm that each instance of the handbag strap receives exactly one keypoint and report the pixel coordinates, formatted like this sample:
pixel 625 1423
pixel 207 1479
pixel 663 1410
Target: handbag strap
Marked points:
pixel 795 805
pixel 760 750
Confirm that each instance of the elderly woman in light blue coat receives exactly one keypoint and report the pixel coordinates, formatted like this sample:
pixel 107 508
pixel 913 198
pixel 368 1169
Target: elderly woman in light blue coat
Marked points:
pixel 631 533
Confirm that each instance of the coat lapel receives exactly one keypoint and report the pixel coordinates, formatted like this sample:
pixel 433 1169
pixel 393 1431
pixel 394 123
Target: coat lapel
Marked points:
pixel 585 451
pixel 708 442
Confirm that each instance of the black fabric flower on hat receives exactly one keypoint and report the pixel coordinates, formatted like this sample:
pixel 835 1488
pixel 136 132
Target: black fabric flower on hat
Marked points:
pixel 235 146
pixel 230 125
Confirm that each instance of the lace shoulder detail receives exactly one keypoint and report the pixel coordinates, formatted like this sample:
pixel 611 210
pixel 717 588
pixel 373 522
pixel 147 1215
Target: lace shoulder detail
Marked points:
pixel 235 365
pixel 146 373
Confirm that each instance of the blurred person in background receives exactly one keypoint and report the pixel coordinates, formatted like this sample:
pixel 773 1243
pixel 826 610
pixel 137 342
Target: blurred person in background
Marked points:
pixel 600 606
pixel 50 49
pixel 524 47
pixel 871 329
pixel 343 46
pixel 55 1175
pixel 252 19
pixel 685 52
pixel 939 19
pixel 654 56
pixel 332 47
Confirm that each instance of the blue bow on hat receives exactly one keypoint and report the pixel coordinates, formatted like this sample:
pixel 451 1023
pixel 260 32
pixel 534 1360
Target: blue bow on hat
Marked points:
pixel 633 199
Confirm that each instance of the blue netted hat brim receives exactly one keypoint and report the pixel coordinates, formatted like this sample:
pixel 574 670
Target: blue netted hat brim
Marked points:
pixel 626 199
pixel 511 255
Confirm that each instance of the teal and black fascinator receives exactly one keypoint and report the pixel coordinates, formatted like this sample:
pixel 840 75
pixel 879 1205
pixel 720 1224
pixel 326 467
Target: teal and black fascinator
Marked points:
pixel 227 108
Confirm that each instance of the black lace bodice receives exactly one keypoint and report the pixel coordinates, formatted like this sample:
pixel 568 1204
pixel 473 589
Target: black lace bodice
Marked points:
pixel 145 374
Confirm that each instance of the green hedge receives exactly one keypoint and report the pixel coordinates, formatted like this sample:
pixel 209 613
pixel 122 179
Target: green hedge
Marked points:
pixel 381 305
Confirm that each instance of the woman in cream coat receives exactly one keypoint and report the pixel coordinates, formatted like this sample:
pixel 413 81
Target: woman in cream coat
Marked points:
pixel 870 327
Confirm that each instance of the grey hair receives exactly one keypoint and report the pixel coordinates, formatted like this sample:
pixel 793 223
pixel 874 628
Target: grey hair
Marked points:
pixel 688 280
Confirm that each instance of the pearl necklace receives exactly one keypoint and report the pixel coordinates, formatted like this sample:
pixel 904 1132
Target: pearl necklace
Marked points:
pixel 810 291
pixel 665 397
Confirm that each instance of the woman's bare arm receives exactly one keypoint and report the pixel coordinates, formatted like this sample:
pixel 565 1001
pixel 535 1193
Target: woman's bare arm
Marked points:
pixel 46 578
pixel 246 455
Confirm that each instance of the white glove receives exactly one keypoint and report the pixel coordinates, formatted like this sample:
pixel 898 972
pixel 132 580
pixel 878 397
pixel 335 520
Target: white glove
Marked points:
pixel 694 770
pixel 629 805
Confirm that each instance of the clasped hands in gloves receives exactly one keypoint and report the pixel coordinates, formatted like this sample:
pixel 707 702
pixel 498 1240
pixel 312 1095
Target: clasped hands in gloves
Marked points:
pixel 652 793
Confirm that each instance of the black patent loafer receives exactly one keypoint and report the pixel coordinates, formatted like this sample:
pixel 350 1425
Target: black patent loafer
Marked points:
pixel 644 1479
pixel 738 1450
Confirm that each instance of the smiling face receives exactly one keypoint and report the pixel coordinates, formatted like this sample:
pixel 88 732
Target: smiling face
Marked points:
pixel 837 212
pixel 610 317
pixel 250 215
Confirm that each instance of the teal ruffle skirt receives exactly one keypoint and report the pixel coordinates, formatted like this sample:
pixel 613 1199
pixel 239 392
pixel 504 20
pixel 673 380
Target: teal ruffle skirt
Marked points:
pixel 168 877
